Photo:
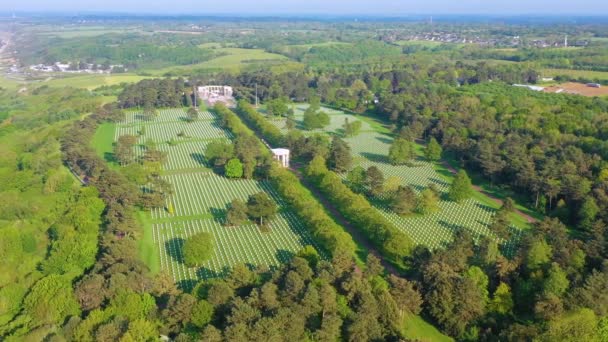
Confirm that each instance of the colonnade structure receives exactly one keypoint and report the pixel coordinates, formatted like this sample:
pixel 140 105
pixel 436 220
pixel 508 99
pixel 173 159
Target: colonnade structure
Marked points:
pixel 212 94
pixel 281 155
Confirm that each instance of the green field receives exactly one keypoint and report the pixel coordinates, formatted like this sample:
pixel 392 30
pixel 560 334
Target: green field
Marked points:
pixel 91 81
pixel 435 230
pixel 234 59
pixel 200 201
pixel 600 75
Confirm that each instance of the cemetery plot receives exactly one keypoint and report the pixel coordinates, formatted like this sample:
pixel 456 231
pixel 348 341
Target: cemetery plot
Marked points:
pixel 432 230
pixel 203 193
pixel 336 122
pixel 167 131
pixel 245 244
pixel 200 199
pixel 165 115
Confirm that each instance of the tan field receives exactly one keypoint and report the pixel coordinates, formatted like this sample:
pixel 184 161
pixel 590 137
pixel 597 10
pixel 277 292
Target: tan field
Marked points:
pixel 578 89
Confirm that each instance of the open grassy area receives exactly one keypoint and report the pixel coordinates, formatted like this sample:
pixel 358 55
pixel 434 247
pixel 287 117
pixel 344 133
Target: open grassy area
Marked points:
pixel 417 329
pixel 600 75
pixel 92 81
pixel 103 142
pixel 148 250
pixel 234 60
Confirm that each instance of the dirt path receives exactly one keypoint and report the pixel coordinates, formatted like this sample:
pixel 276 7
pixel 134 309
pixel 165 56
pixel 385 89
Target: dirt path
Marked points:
pixel 341 220
pixel 479 189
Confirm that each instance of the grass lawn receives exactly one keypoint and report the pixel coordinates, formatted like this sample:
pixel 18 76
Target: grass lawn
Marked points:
pixel 148 251
pixel 103 142
pixel 601 75
pixel 92 81
pixel 234 60
pixel 417 329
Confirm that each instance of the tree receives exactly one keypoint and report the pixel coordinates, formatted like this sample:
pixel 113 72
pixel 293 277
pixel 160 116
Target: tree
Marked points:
pixel 500 224
pixel 404 200
pixel 277 107
pixel 123 150
pixel 556 282
pixel 260 206
pixel 234 168
pixel 197 249
pixel 192 114
pixel 427 202
pixel 356 178
pixel 202 313
pixel 461 188
pixel 351 129
pixel 374 179
pixel 340 156
pixel 237 213
pixel 219 152
pixel 401 151
pixel 433 150
pixel 502 301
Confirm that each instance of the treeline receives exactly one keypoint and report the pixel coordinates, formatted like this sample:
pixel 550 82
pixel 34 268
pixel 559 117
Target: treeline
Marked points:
pixel 394 244
pixel 260 123
pixel 156 93
pixel 133 51
pixel 325 231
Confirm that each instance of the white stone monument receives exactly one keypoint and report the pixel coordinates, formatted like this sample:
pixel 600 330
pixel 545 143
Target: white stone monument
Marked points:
pixel 282 155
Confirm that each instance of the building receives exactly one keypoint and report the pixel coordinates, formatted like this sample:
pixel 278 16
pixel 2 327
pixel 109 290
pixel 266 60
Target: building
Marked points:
pixel 212 94
pixel 281 155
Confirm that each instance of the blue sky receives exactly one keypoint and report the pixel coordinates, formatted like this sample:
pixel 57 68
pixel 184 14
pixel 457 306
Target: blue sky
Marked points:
pixel 329 7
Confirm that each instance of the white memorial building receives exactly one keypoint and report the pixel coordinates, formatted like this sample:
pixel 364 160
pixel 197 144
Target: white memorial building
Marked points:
pixel 281 155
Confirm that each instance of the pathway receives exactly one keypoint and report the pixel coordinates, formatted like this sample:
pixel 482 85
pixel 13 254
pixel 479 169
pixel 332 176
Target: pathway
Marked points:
pixel 341 220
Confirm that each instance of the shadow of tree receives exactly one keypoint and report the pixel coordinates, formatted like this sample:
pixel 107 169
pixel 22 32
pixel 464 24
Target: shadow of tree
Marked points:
pixel 375 157
pixel 219 215
pixel 199 158
pixel 174 249
pixel 439 181
pixel 485 208
pixel 284 256
pixel 385 140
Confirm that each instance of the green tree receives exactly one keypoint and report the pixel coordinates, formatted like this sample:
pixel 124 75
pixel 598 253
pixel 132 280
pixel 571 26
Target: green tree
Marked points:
pixel 433 150
pixel 461 188
pixel 277 107
pixel 197 249
pixel 340 156
pixel 202 312
pixel 237 213
pixel 502 301
pixel 404 200
pixel 374 179
pixel 192 114
pixel 234 168
pixel 351 129
pixel 50 301
pixel 427 202
pixel 218 152
pixel 260 206
pixel 500 224
pixel 356 178
pixel 556 283
pixel 401 151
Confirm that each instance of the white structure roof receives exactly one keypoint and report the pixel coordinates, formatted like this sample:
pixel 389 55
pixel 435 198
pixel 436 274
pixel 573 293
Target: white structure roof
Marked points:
pixel 280 151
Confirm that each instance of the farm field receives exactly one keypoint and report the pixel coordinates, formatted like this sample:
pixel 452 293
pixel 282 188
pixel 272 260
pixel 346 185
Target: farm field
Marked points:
pixel 91 81
pixel 577 89
pixel 371 147
pixel 599 75
pixel 200 199
pixel 234 59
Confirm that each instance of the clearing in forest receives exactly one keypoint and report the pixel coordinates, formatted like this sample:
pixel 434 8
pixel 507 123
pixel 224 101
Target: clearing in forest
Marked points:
pixel 370 148
pixel 200 199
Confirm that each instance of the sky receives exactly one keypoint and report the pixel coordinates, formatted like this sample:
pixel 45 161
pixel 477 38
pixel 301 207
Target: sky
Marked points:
pixel 324 7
